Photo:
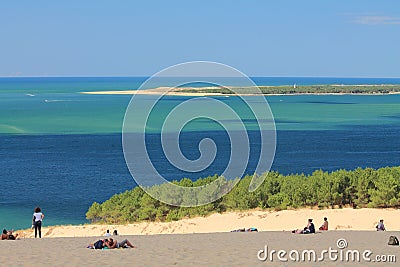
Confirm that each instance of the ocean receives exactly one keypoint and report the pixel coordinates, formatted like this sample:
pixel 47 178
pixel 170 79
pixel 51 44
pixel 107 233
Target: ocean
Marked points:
pixel 61 150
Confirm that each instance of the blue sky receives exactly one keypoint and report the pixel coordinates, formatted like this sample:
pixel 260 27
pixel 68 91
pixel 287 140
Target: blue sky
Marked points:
pixel 332 38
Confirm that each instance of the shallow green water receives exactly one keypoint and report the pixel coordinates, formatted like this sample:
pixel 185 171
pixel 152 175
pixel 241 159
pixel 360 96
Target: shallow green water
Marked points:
pixel 70 113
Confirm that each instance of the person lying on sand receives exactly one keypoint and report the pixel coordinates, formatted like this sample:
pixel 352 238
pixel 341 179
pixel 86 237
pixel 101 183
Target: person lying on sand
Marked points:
pixel 99 244
pixel 252 229
pixel 239 230
pixel 110 243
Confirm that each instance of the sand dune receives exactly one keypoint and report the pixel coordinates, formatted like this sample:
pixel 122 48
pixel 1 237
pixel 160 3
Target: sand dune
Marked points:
pixel 286 220
pixel 207 241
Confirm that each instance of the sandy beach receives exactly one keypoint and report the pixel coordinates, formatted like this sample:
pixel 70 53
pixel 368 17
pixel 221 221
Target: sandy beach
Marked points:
pixel 213 249
pixel 285 220
pixel 208 241
pixel 171 91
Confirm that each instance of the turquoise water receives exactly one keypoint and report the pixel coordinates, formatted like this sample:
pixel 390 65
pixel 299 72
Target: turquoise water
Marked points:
pixel 74 113
pixel 56 106
pixel 61 149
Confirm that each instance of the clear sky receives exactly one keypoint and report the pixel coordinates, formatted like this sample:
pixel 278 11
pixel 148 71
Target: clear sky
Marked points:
pixel 332 38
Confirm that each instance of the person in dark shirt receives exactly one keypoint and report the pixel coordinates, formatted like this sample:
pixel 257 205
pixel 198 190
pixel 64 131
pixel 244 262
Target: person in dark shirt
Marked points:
pixel 380 226
pixel 310 228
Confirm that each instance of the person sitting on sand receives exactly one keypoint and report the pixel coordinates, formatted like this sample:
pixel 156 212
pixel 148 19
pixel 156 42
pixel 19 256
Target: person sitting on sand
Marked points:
pixel 380 226
pixel 324 226
pixel 8 235
pixel 4 235
pixel 110 243
pixel 309 229
pixel 107 233
pixel 115 232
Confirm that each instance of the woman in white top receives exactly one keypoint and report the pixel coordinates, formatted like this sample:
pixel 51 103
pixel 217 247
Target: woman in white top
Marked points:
pixel 37 221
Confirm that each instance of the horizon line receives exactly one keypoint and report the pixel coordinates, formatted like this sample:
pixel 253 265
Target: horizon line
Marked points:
pixel 144 76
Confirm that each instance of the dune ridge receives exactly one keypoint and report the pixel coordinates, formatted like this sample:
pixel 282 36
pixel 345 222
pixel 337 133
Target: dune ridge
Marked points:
pixel 286 220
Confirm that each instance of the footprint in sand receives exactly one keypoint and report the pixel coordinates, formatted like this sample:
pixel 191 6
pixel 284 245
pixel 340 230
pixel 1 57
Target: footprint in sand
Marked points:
pixel 145 228
pixel 338 227
pixel 49 232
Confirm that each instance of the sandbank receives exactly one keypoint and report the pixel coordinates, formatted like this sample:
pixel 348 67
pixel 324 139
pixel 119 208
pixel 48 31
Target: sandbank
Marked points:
pixel 251 91
pixel 159 91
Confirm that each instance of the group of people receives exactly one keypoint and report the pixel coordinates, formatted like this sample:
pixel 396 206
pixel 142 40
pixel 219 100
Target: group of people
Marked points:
pixel 8 235
pixel 310 228
pixel 110 243
pixel 36 224
pixel 109 234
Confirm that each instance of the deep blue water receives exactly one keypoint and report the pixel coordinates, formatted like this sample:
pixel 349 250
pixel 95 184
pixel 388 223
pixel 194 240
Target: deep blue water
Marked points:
pixel 62 150
pixel 65 174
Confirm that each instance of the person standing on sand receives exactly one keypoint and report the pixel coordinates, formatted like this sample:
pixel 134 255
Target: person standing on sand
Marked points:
pixel 37 221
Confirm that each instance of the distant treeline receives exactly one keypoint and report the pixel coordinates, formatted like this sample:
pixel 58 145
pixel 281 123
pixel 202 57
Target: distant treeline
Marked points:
pixel 303 89
pixel 357 188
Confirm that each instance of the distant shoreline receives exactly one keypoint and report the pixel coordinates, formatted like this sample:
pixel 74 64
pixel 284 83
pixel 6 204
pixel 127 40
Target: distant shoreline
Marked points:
pixel 359 89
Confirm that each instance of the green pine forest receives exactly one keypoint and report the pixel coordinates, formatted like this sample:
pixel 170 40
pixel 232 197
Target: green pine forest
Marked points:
pixel 301 89
pixel 357 188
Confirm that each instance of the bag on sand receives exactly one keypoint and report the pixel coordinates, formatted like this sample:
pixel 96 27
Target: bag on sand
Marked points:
pixel 393 241
pixel 98 244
